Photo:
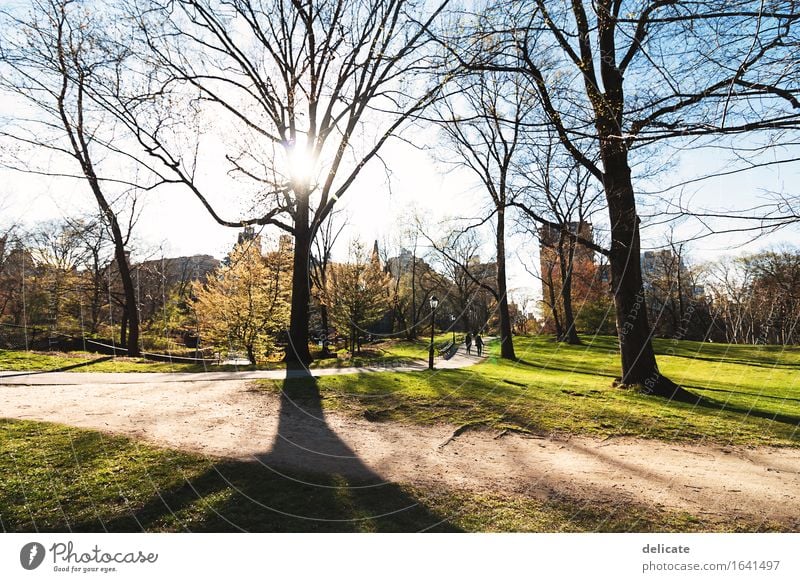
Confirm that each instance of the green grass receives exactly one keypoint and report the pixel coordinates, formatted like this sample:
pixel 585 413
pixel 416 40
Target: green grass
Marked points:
pixel 393 352
pixel 57 478
pixel 418 348
pixel 750 395
pixel 33 361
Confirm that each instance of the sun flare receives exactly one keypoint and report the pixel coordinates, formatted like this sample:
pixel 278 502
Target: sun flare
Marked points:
pixel 301 163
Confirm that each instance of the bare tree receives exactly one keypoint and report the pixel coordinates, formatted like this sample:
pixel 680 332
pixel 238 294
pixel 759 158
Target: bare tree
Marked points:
pixel 483 121
pixel 462 270
pixel 58 251
pixel 669 286
pixel 631 74
pixel 95 240
pixel 556 205
pixel 467 273
pixel 303 95
pixel 754 298
pixel 414 279
pixel 776 279
pixel 729 288
pixel 50 60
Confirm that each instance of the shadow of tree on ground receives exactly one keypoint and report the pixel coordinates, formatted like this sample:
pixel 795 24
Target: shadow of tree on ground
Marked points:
pixel 309 481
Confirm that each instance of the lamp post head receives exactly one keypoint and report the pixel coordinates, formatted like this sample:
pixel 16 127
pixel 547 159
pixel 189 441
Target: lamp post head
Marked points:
pixel 434 301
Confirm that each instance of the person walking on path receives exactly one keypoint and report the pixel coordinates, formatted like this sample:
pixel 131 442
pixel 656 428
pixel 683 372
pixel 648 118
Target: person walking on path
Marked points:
pixel 468 342
pixel 479 344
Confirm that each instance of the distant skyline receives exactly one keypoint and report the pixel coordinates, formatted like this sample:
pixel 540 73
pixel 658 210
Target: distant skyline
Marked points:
pixel 174 223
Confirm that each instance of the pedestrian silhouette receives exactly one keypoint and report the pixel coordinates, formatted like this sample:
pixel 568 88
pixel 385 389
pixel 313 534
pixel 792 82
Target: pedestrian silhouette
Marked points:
pixel 468 342
pixel 479 344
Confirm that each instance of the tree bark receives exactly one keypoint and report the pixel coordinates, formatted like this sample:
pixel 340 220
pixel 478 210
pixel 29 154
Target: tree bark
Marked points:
pixel 570 334
pixel 123 327
pixel 639 365
pixel 506 340
pixel 297 352
pixel 128 289
pixel 551 292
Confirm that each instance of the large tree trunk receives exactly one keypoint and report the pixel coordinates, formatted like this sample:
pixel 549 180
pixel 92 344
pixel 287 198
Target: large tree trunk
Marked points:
pixel 130 307
pixel 570 334
pixel 121 257
pixel 506 341
pixel 81 149
pixel 551 292
pixel 297 352
pixel 130 294
pixel 639 365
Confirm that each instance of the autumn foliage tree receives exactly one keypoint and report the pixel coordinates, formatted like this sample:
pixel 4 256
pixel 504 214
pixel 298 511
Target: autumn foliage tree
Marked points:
pixel 246 305
pixel 357 294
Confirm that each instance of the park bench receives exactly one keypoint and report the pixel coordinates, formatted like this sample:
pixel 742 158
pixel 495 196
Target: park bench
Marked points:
pixel 448 350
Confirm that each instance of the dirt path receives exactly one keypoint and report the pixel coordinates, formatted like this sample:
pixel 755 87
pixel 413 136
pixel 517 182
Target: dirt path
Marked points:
pixel 231 419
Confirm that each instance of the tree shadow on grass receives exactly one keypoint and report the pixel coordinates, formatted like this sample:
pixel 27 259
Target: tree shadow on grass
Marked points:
pixel 712 404
pixel 308 481
pixel 751 363
pixel 762 356
pixel 65 368
pixel 748 394
pixel 590 370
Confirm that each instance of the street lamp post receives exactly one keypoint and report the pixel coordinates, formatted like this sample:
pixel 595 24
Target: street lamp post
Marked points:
pixel 453 327
pixel 434 302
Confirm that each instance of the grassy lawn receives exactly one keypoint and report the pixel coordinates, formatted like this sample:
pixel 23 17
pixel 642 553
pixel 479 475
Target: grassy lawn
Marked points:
pixel 57 478
pixel 750 395
pixel 84 362
pixel 393 352
pixel 34 361
pixel 418 348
